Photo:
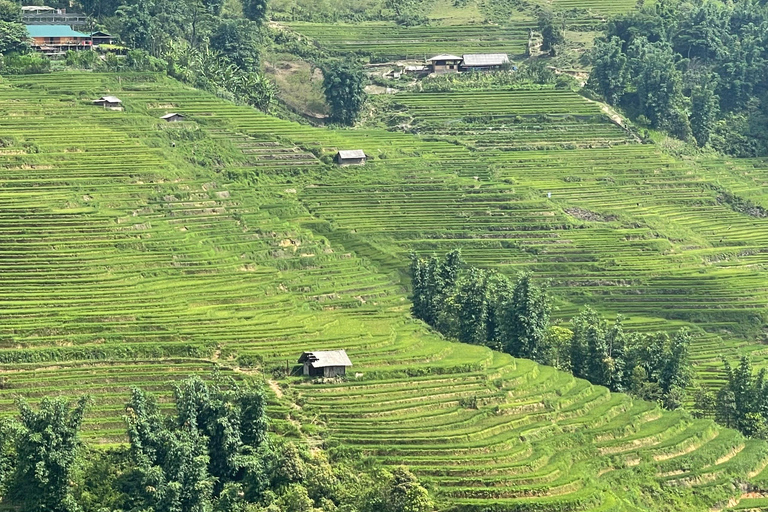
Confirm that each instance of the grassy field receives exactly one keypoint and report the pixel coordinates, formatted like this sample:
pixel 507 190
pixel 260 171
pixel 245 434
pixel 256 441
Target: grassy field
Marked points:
pixel 136 252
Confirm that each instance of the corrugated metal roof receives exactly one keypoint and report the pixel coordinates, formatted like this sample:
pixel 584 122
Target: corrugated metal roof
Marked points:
pixel 54 31
pixel 352 154
pixel 108 99
pixel 444 57
pixel 326 358
pixel 485 59
pixel 172 114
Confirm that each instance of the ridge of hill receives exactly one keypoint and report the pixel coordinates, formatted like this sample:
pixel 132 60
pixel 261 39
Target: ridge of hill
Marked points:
pixel 136 252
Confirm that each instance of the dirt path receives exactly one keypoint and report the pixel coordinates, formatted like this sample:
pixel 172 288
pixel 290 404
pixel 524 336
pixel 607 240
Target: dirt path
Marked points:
pixel 274 386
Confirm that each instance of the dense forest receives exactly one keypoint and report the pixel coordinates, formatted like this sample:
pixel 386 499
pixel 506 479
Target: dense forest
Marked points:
pixel 487 308
pixel 698 70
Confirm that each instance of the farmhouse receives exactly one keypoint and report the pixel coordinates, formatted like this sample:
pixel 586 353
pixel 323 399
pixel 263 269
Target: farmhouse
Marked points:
pixel 444 63
pixel 110 102
pixel 484 61
pixel 353 157
pixel 57 38
pixel 331 363
pixel 173 117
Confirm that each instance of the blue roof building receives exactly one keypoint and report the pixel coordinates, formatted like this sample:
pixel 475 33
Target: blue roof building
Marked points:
pixel 55 31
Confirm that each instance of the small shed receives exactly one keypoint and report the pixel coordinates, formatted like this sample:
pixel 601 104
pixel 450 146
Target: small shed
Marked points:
pixel 484 61
pixel 351 157
pixel 329 363
pixel 173 117
pixel 111 102
pixel 445 63
pixel 98 38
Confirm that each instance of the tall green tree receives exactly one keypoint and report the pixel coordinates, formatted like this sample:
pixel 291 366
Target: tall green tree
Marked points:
pixel 47 445
pixel 610 70
pixel 344 84
pixel 525 320
pixel 704 112
pixel 239 41
pixel 13 38
pixel 551 28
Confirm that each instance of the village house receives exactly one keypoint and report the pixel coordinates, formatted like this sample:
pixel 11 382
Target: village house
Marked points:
pixel 484 61
pixel 52 39
pixel 173 117
pixel 444 64
pixel 109 102
pixel 351 157
pixel 330 363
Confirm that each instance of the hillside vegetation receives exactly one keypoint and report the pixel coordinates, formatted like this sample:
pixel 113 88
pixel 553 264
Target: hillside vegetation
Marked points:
pixel 138 252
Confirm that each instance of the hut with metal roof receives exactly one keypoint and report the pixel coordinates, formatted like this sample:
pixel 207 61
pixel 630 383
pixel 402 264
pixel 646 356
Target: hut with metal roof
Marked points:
pixel 327 363
pixel 444 63
pixel 173 117
pixel 110 102
pixel 484 61
pixel 351 157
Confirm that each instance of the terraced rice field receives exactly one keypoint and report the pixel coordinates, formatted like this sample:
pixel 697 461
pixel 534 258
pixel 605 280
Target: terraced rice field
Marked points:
pixel 392 41
pixel 508 119
pixel 124 262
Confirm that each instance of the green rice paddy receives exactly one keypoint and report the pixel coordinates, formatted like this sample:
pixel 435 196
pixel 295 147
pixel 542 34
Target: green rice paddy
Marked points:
pixel 135 252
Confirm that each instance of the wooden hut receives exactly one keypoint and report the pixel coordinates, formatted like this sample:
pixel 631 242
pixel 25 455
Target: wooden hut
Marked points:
pixel 353 157
pixel 329 363
pixel 173 117
pixel 110 102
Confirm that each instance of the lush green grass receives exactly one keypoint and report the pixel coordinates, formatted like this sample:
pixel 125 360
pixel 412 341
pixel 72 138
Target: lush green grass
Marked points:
pixel 124 263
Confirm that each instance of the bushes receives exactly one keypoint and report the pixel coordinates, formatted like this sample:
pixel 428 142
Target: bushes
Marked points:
pixel 24 64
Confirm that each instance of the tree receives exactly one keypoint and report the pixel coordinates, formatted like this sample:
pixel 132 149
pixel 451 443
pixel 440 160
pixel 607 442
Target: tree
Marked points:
pixel 255 10
pixel 13 38
pixel 473 307
pixel 610 73
pixel 401 492
pixel 10 11
pixel 659 86
pixel 183 463
pixel 47 448
pixel 138 27
pixel 551 31
pixel 525 320
pixel 239 41
pixel 344 85
pixel 704 112
pixel 588 321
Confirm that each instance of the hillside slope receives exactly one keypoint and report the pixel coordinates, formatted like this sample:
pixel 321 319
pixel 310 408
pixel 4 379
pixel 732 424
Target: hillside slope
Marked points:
pixel 138 252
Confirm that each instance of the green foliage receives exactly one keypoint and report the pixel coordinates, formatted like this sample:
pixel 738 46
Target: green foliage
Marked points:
pixel 10 12
pixel 551 29
pixel 255 10
pixel 742 403
pixel 485 308
pixel 610 71
pixel 690 66
pixel 217 437
pixel 13 38
pixel 401 492
pixel 46 453
pixel 344 85
pixel 238 41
